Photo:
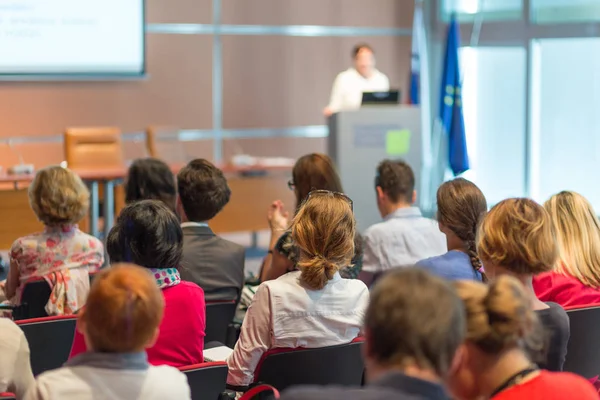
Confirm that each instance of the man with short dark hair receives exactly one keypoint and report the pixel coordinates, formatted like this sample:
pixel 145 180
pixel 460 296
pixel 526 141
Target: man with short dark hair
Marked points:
pixel 349 85
pixel 404 236
pixel 414 327
pixel 213 263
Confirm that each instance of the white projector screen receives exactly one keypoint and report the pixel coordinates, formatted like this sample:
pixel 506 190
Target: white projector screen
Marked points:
pixel 72 37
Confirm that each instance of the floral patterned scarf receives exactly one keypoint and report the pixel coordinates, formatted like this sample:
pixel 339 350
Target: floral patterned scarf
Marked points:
pixel 166 277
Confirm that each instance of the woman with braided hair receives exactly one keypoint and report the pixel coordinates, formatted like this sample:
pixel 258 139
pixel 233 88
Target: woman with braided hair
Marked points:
pixel 461 208
pixel 313 306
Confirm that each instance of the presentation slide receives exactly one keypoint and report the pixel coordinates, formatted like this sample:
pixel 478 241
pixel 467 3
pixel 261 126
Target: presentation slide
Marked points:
pixel 92 37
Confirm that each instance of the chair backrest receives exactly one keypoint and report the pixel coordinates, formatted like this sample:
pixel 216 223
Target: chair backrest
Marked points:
pixel 218 317
pixel 583 352
pixel 50 340
pixel 93 147
pixel 207 380
pixel 33 300
pixel 335 365
pixel 151 148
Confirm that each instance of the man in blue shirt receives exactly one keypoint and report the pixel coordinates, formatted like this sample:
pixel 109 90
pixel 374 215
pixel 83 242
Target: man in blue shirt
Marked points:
pixel 404 236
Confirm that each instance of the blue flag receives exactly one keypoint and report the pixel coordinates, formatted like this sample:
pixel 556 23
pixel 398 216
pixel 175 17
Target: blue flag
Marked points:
pixel 451 114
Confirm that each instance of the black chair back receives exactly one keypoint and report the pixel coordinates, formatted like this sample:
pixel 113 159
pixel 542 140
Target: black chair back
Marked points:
pixel 207 380
pixel 335 365
pixel 33 300
pixel 583 352
pixel 50 340
pixel 219 316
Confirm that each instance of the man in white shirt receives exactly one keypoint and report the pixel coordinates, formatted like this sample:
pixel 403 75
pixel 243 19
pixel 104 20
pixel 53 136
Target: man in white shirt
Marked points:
pixel 351 84
pixel 404 236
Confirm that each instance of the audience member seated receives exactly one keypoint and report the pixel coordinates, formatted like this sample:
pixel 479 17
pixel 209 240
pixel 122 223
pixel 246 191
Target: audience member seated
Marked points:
pixel 148 234
pixel 15 370
pixel 61 254
pixel 495 364
pixel 414 325
pixel 461 207
pixel 517 238
pixel 313 307
pixel 311 172
pixel 575 279
pixel 211 262
pixel 120 320
pixel 405 236
pixel 150 179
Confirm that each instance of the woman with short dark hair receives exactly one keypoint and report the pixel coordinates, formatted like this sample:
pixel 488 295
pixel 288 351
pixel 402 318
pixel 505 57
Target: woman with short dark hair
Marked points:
pixel 150 179
pixel 148 234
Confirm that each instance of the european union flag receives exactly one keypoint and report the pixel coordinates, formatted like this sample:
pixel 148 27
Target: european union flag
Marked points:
pixel 451 114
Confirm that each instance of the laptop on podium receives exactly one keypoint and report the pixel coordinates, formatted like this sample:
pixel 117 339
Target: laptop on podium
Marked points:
pixel 381 98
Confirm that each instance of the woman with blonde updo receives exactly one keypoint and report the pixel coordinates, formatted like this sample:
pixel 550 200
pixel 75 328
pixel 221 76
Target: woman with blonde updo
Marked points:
pixel 495 362
pixel 312 307
pixel 517 238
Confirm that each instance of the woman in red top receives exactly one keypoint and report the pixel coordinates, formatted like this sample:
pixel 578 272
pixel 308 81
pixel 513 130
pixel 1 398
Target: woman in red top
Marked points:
pixel 148 234
pixel 494 363
pixel 575 280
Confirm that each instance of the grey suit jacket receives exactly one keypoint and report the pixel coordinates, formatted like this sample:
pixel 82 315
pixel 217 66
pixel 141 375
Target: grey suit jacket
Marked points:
pixel 213 263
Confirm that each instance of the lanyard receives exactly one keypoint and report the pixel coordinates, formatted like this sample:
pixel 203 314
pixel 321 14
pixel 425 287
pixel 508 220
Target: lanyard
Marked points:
pixel 514 380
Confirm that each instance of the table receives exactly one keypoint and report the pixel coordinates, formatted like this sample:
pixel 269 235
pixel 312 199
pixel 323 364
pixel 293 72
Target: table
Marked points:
pixel 253 189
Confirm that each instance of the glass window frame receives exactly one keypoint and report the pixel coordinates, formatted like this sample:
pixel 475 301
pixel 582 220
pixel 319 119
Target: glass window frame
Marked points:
pixel 521 32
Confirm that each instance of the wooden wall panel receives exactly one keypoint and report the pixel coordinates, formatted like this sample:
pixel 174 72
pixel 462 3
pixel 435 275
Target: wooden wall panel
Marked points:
pixel 179 11
pixel 379 13
pixel 276 81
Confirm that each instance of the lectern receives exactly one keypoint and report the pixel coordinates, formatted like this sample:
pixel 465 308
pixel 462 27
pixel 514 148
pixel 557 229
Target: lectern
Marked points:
pixel 359 140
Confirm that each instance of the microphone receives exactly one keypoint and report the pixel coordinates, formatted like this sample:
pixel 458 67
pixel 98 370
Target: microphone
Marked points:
pixel 21 168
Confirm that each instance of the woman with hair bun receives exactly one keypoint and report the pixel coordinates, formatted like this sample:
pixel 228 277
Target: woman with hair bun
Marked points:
pixel 312 307
pixel 495 362
pixel 461 207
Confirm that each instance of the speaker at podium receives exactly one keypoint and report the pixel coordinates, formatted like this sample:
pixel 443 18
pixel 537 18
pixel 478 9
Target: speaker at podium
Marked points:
pixel 359 140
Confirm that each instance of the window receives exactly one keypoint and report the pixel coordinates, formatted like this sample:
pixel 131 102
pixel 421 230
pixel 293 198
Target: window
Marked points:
pixel 566 117
pixel 491 9
pixel 494 111
pixel 551 11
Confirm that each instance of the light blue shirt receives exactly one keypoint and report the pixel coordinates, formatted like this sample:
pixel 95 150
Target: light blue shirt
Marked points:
pixel 400 240
pixel 454 265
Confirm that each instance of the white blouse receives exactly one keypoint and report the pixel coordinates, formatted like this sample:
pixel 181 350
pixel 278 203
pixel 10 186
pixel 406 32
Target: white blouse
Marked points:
pixel 286 314
pixel 15 370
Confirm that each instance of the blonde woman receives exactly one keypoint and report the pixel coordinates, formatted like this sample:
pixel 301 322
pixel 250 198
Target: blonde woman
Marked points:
pixel 575 279
pixel 517 238
pixel 61 253
pixel 495 362
pixel 312 307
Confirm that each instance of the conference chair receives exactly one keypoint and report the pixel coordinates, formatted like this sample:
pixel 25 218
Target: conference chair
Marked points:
pixel 583 352
pixel 97 149
pixel 207 380
pixel 334 365
pixel 93 147
pixel 50 340
pixel 34 298
pixel 151 147
pixel 261 392
pixel 219 316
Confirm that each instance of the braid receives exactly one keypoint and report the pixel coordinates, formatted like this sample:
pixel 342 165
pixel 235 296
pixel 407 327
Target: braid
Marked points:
pixel 475 260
